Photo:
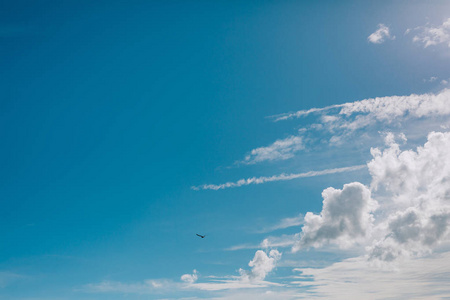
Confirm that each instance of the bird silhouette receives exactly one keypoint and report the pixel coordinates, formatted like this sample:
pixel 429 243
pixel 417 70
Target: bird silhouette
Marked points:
pixel 202 236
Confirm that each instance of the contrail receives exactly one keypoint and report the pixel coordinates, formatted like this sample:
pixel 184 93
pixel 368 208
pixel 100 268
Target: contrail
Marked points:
pixel 301 113
pixel 281 177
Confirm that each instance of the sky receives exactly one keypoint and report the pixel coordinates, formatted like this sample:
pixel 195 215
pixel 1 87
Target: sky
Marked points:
pixel 308 140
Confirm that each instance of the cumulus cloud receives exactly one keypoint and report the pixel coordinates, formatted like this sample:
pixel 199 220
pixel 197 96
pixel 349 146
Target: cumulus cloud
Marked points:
pixel 190 278
pixel 281 177
pixel 432 36
pixel 279 150
pixel 417 184
pixel 346 216
pixel 380 35
pixel 413 192
pixel 261 265
pixel 405 240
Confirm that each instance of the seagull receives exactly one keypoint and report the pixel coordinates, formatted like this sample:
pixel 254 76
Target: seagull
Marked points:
pixel 202 236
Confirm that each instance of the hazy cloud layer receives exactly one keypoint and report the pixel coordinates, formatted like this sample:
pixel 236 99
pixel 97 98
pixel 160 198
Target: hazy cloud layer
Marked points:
pixel 260 266
pixel 142 287
pixel 356 278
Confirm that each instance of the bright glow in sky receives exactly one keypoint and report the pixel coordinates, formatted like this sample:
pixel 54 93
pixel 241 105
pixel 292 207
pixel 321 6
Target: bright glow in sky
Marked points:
pixel 307 140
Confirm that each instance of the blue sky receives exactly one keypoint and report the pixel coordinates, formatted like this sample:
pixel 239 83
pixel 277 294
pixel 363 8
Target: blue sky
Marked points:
pixel 122 124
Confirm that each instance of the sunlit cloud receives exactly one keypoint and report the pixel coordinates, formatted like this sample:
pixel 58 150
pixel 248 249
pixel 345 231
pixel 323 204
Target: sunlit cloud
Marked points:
pixel 404 214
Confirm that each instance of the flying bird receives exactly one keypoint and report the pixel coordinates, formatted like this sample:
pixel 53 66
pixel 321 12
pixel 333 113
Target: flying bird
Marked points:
pixel 202 236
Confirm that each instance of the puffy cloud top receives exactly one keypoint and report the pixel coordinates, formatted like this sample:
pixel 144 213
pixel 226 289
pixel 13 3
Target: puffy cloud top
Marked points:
pixel 346 214
pixel 261 265
pixel 417 184
pixel 413 192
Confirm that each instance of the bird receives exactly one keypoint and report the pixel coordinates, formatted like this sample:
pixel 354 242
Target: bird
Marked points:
pixel 202 236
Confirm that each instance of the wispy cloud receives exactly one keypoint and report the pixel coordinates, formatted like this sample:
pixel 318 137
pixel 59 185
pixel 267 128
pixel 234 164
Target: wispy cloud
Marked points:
pixel 301 113
pixel 356 278
pixel 143 287
pixel 281 177
pixel 279 150
pixel 431 79
pixel 382 108
pixel 6 278
pixel 263 263
pixel 285 240
pixel 284 223
pixel 380 35
pixel 432 36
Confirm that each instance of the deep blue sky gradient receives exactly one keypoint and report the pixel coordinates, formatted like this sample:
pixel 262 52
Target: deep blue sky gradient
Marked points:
pixel 111 110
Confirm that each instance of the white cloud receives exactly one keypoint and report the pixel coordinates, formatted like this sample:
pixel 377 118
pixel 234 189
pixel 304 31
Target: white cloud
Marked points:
pixel 418 186
pixel 227 284
pixel 142 287
pixel 301 113
pixel 356 115
pixel 431 79
pixel 356 278
pixel 346 217
pixel 431 36
pixel 190 278
pixel 413 192
pixel 261 265
pixel 258 295
pixel 380 35
pixel 281 177
pixel 279 150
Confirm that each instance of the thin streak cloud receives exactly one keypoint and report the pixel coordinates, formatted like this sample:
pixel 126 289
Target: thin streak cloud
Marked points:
pixel 301 113
pixel 281 177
